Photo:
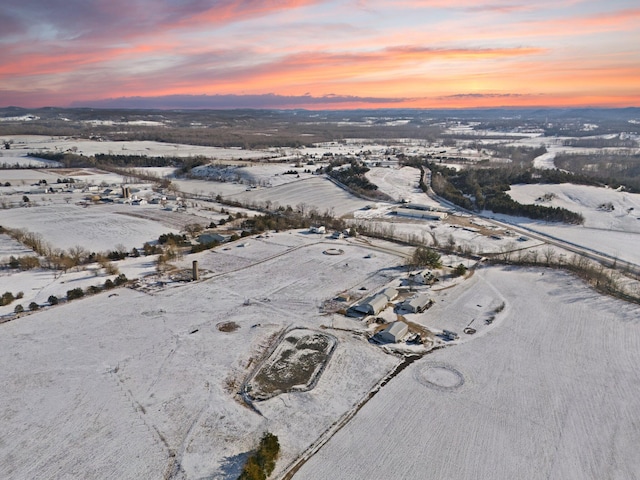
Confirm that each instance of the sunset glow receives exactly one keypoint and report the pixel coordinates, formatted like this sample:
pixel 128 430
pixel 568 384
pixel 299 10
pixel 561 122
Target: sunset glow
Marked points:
pixel 320 54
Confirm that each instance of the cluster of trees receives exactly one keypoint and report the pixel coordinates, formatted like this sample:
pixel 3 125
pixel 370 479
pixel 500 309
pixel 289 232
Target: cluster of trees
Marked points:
pixel 75 293
pixel 261 464
pixel 612 169
pixel 503 203
pixel 72 294
pixel 425 257
pixel 8 297
pixel 353 177
pixel 58 259
pixel 24 263
pixel 601 142
pixel 481 189
pixel 138 161
pixel 519 155
pixel 286 218
pixel 173 239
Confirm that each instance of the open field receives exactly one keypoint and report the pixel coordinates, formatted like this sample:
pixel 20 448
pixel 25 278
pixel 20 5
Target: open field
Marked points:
pixel 316 192
pixel 23 162
pixel 24 144
pixel 107 371
pixel 549 393
pixel 96 228
pixel 401 184
pixel 9 247
pixel 611 223
pixel 145 382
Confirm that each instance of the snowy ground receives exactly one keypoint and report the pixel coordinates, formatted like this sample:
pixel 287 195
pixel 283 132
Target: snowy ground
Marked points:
pixel 24 144
pixel 22 162
pixel 316 192
pixel 401 184
pixel 106 371
pixel 258 174
pixel 614 232
pixel 544 391
pixel 550 392
pixel 97 227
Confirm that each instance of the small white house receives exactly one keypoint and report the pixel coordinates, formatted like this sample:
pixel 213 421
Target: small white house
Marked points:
pixel 394 333
pixel 317 229
pixel 423 277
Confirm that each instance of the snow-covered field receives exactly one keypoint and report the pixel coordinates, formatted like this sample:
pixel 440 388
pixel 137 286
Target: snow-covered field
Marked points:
pixel 35 143
pixel 550 392
pixel 97 227
pixel 9 247
pixel 142 383
pixel 612 218
pixel 125 384
pixel 401 184
pixel 316 192
pixel 23 162
pixel 259 174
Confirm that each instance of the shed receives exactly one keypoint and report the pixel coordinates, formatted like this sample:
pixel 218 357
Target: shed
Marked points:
pixel 390 292
pixel 418 213
pixel 372 305
pixel 395 332
pixel 417 304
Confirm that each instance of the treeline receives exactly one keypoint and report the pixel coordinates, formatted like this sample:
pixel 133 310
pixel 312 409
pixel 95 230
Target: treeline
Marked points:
pixel 480 189
pixel 609 281
pixel 601 142
pixel 137 160
pixel 613 169
pixel 110 161
pixel 287 219
pixel 519 155
pixel 352 176
pixel 503 203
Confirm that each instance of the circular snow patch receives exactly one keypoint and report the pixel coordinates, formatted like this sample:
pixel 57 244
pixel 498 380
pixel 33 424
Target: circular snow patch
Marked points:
pixel 440 376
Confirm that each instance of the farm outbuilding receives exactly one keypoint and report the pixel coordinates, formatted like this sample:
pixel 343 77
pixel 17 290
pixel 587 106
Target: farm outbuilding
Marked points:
pixel 417 304
pixel 372 305
pixel 390 292
pixel 416 213
pixel 395 332
pixel 206 238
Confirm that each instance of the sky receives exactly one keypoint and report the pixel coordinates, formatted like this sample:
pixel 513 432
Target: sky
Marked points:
pixel 319 54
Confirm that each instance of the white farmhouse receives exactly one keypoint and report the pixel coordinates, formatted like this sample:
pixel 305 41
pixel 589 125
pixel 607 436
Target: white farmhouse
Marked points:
pixel 423 277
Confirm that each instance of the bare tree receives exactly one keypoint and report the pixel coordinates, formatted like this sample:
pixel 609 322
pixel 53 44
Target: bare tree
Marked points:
pixel 549 255
pixel 77 254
